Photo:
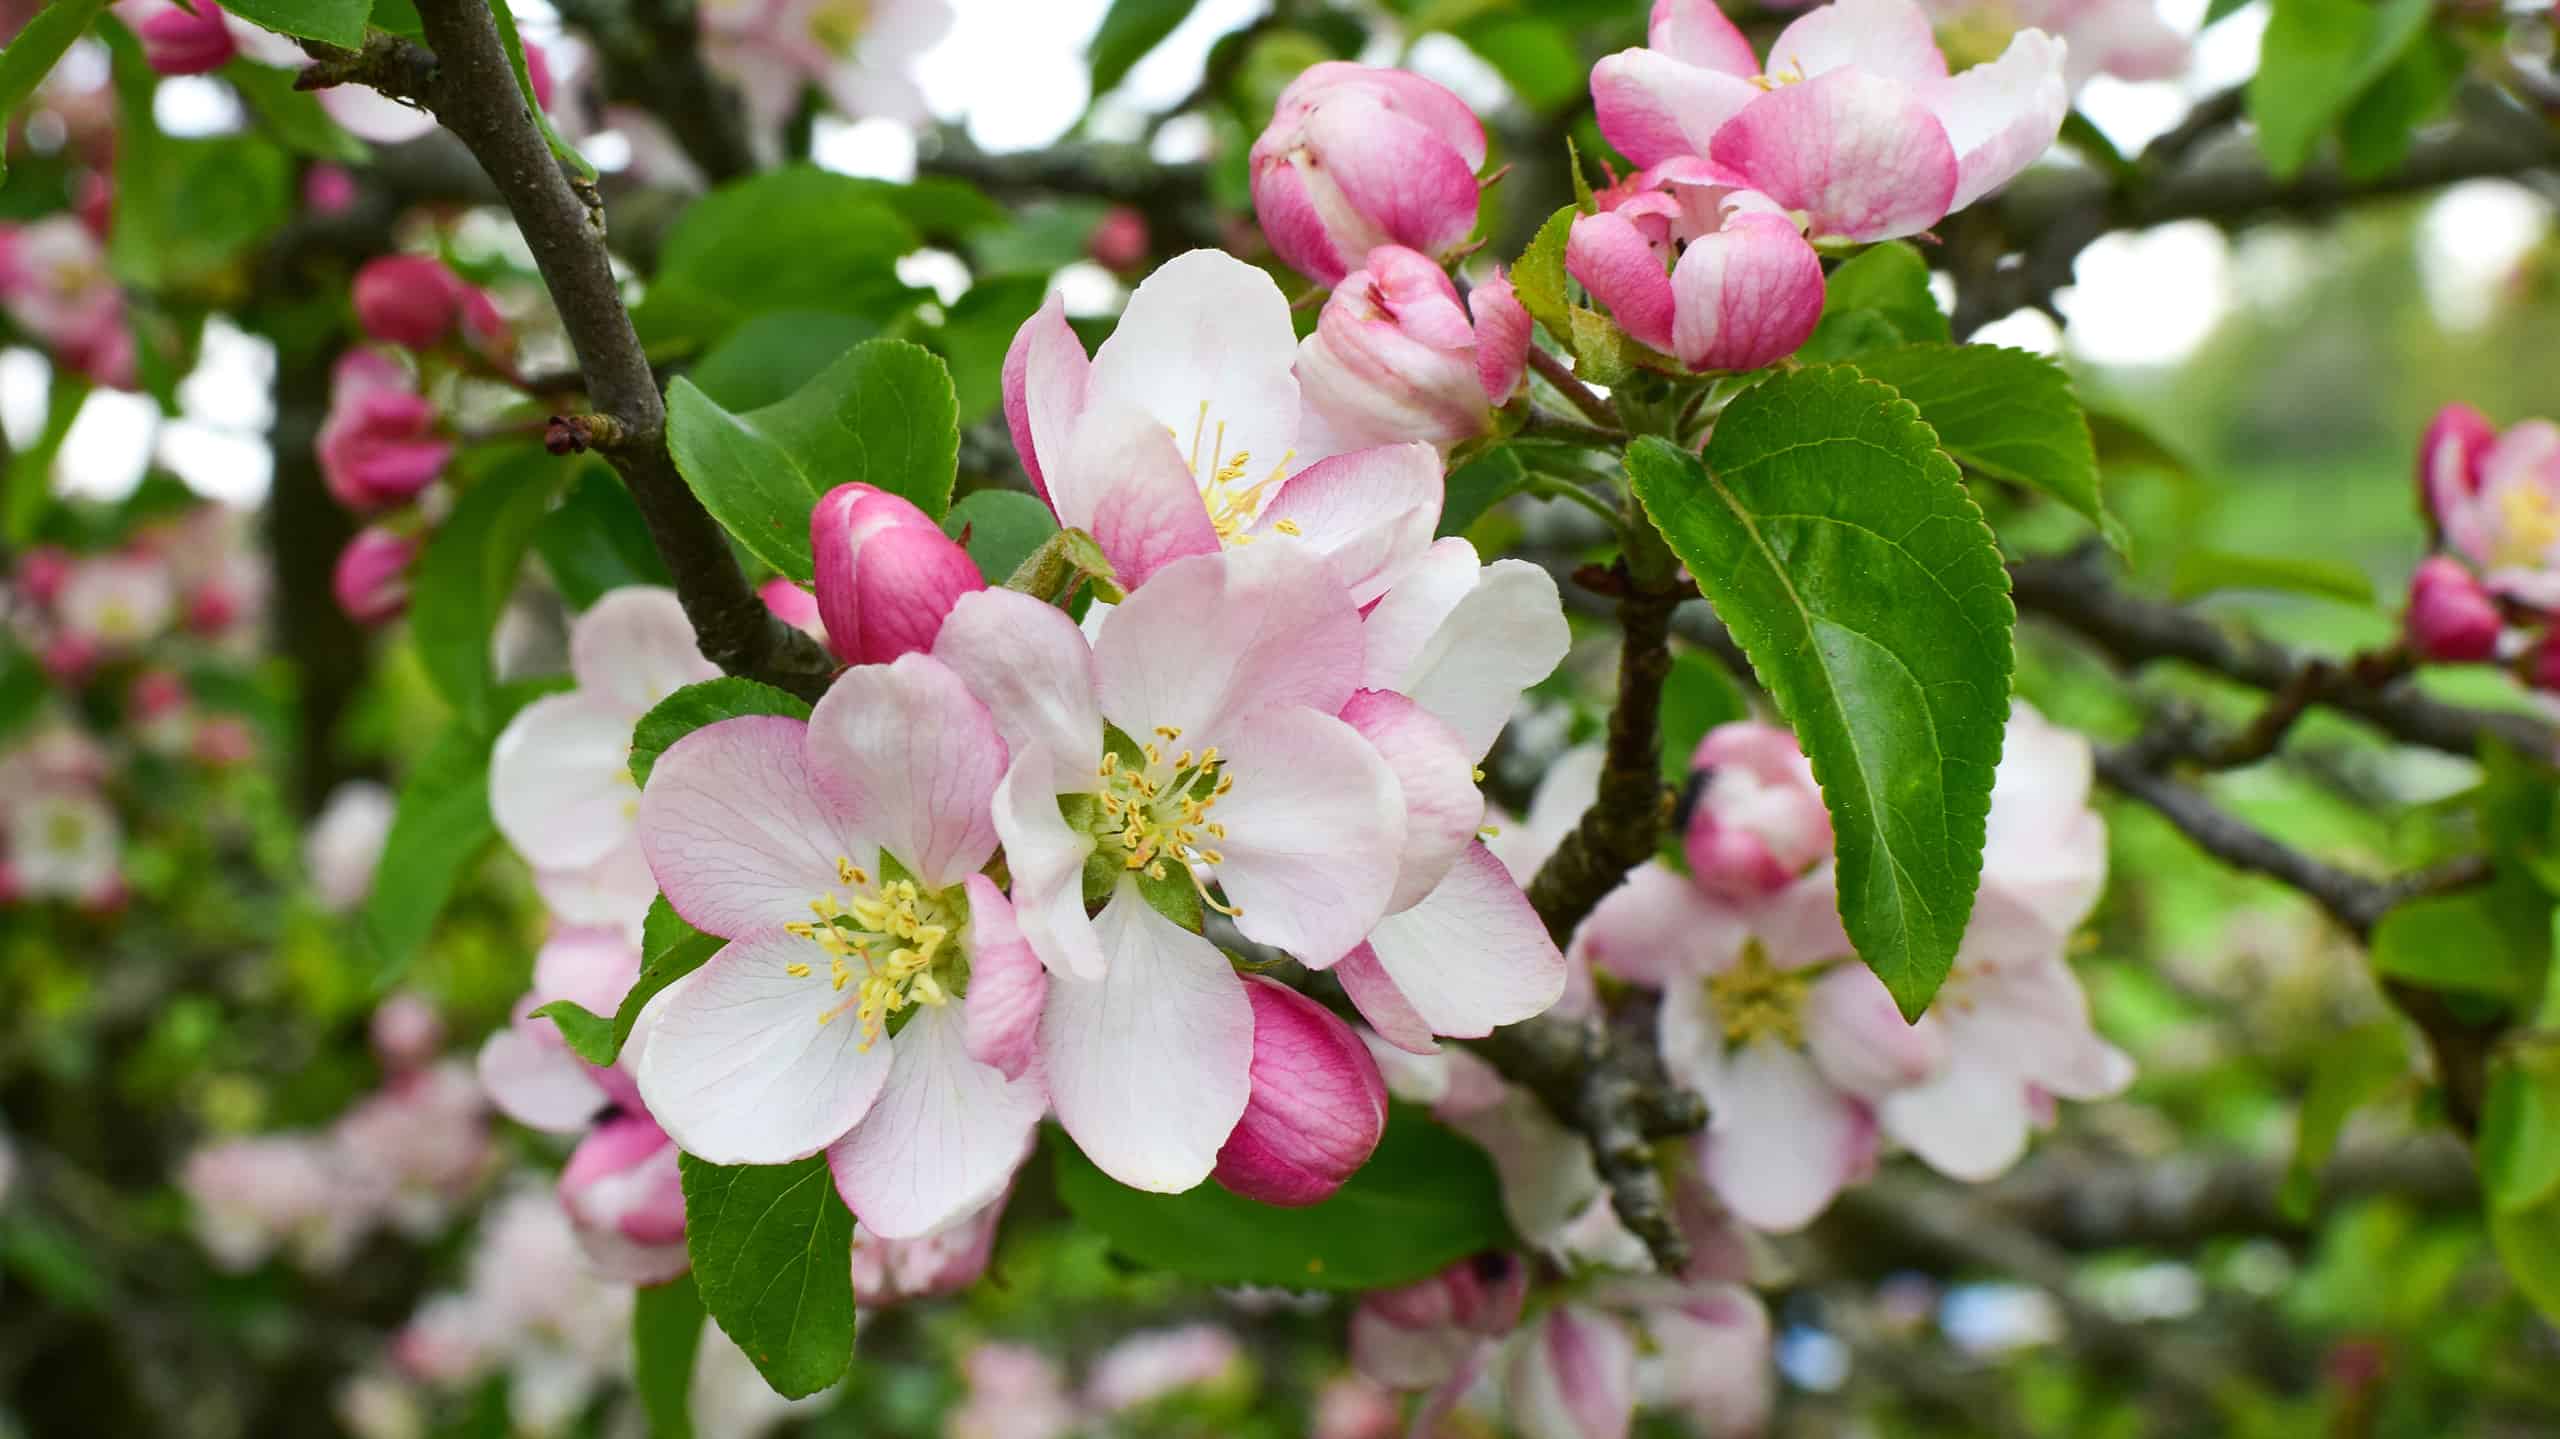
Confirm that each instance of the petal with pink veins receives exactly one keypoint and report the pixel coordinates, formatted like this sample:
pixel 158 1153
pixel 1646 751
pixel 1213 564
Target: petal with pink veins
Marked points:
pixel 1123 482
pixel 1655 107
pixel 1436 778
pixel 1421 194
pixel 944 1137
pixel 1370 513
pixel 1859 154
pixel 634 647
pixel 1382 1004
pixel 1045 373
pixel 1886 38
pixel 1999 117
pixel 1047 863
pixel 916 757
pixel 1315 825
pixel 1747 295
pixel 1032 668
pixel 1007 985
pixel 1622 270
pixel 1149 1065
pixel 1697 32
pixel 1472 955
pixel 560 783
pixel 1205 349
pixel 1216 637
pixel 742 831
pixel 737 1067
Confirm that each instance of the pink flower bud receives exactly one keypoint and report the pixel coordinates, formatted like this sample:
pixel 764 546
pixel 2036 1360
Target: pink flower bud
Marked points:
pixel 372 578
pixel 157 693
pixel 2449 457
pixel 177 43
pixel 1120 241
pixel 381 442
pixel 537 72
pixel 1317 1108
pixel 891 1271
pixel 1691 265
pixel 1395 357
pixel 2540 666
pixel 222 741
pixel 1755 818
pixel 405 1030
pixel 625 1199
pixel 41 573
pixel 69 657
pixel 1356 157
pixel 792 605
pixel 2452 619
pixel 328 189
pixel 1573 1377
pixel 1417 1336
pixel 887 574
pixel 413 301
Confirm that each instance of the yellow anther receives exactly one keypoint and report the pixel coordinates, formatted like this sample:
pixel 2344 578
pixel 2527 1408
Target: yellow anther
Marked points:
pixel 1168 733
pixel 796 971
pixel 848 872
pixel 1288 527
pixel 1110 763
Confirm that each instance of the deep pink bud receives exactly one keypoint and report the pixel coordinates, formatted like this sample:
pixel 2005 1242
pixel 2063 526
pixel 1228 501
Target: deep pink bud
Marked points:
pixel 156 693
pixel 537 72
pixel 1356 157
pixel 1417 1336
pixel 213 607
pixel 412 301
pixel 1698 268
pixel 2452 619
pixel 41 572
pixel 887 1271
pixel 177 43
pixel 1502 338
pixel 887 574
pixel 69 656
pixel 1120 241
pixel 328 189
pixel 625 1200
pixel 2449 460
pixel 1394 357
pixel 382 441
pixel 2540 667
pixel 1755 818
pixel 1318 1105
pixel 372 578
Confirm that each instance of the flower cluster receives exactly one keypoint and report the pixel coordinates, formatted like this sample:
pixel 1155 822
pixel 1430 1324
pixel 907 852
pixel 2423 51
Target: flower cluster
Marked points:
pixel 55 286
pixel 2492 502
pixel 1019 1393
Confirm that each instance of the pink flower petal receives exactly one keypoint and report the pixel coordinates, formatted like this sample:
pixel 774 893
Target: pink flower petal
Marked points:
pixel 916 757
pixel 1782 1141
pixel 634 647
pixel 1205 347
pixel 1657 929
pixel 741 831
pixel 1215 637
pixel 1436 776
pixel 1623 271
pixel 1007 985
pixel 1859 154
pixel 1123 482
pixel 1308 866
pixel 1472 955
pixel 1748 295
pixel 1999 117
pixel 560 780
pixel 1654 107
pixel 944 1137
pixel 1890 39
pixel 1370 512
pixel 1033 669
pixel 1045 372
pixel 1696 32
pixel 1047 862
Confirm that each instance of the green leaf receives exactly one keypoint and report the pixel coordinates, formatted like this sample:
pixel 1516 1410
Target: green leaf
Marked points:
pixel 2492 940
pixel 1876 299
pixel 2353 1069
pixel 1539 279
pixel 670 949
pixel 1840 548
pixel 1479 485
pixel 1425 1200
pixel 400 17
pixel 2006 413
pixel 884 414
pixel 1697 696
pixel 2520 1126
pixel 588 1035
pixel 797 238
pixel 772 1250
pixel 293 118
pixel 39 44
pixel 765 359
pixel 1536 58
pixel 666 1330
pixel 468 571
pixel 31 469
pixel 1005 527
pixel 334 22
pixel 187 210
pixel 2316 58
pixel 1129 29
pixel 2206 572
pixel 594 540
pixel 2384 122
pixel 699 704
pixel 2528 1243
pixel 567 154
pixel 439 828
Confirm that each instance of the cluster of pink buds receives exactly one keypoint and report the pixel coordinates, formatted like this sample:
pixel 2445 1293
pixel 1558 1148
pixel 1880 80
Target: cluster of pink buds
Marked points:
pixel 55 286
pixel 2490 589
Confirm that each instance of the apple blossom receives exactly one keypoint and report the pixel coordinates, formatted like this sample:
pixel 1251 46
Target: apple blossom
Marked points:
pixel 1317 1107
pixel 41 572
pixel 560 783
pixel 840 857
pixel 530 1307
pixel 2124 38
pixel 1699 268
pixel 381 441
pixel 1396 356
pixel 1424 1334
pixel 1358 156
pixel 886 574
pixel 423 1141
pixel 63 842
pixel 1174 750
pixel 1352 1407
pixel 945 1261
pixel 2452 617
pixel 1015 1392
pixel 345 843
pixel 1152 1364
pixel 117 603
pixel 1183 434
pixel 54 285
pixel 1853 121
pixel 250 1198
pixel 856 52
pixel 625 1200
pixel 2500 511
pixel 793 605
pixel 371 577
pixel 1755 817
pixel 2449 457
pixel 1571 1375
pixel 417 302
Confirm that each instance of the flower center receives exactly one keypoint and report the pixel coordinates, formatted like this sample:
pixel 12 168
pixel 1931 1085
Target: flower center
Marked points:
pixel 1755 998
pixel 1154 809
pixel 887 948
pixel 1233 504
pixel 838 24
pixel 1792 75
pixel 65 832
pixel 2528 525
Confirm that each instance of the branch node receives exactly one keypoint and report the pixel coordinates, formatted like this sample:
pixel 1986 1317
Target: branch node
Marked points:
pixel 577 434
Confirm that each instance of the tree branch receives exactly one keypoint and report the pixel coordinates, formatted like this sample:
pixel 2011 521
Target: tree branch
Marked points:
pixel 472 90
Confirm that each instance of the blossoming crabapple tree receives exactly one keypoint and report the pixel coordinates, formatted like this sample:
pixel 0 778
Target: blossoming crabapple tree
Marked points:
pixel 1442 708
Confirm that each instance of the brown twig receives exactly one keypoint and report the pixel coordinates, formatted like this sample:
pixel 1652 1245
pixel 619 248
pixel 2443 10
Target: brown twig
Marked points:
pixel 1593 407
pixel 473 91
